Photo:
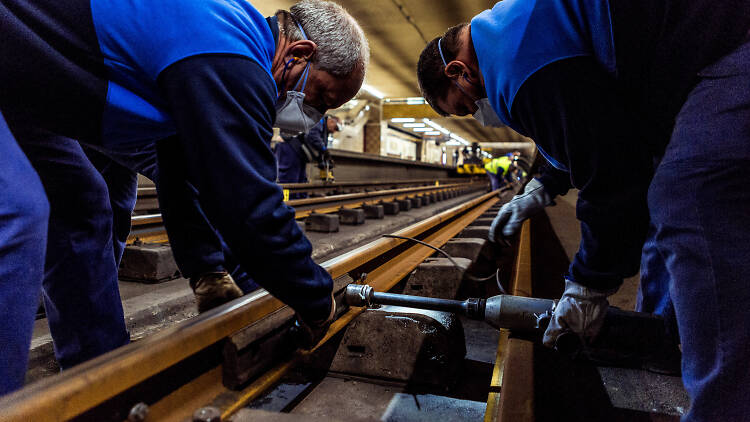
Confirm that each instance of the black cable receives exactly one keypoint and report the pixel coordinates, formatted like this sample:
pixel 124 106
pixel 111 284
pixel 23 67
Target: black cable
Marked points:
pixel 453 261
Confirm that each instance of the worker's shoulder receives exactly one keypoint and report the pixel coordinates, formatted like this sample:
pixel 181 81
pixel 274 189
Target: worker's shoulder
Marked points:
pixel 155 34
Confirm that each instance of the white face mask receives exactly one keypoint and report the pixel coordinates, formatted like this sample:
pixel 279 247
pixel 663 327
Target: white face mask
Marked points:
pixel 293 115
pixel 485 115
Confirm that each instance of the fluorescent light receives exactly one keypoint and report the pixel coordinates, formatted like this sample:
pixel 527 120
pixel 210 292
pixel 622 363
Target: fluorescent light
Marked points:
pixel 413 124
pixel 372 90
pixel 403 120
pixel 436 126
pixel 414 100
pixel 453 143
pixel 422 129
pixel 459 139
pixel 433 132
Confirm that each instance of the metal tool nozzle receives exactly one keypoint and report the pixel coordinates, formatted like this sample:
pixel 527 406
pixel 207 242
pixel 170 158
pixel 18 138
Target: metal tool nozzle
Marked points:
pixel 358 295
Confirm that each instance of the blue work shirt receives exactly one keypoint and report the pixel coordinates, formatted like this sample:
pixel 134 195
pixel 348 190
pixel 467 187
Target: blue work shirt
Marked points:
pixel 597 85
pixel 122 74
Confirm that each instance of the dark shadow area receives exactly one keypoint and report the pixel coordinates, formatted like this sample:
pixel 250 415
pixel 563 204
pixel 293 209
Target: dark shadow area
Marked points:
pixel 567 390
pixel 549 260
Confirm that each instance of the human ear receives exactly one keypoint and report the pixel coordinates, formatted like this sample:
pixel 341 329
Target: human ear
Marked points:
pixel 301 49
pixel 455 69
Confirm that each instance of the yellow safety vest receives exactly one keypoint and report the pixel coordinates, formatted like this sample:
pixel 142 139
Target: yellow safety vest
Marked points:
pixel 497 163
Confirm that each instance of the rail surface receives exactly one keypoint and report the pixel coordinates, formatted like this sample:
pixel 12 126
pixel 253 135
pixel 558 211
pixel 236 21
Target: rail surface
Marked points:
pixel 150 228
pixel 511 396
pixel 108 378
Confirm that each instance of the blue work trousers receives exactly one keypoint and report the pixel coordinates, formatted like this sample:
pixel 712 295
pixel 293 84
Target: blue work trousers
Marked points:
pixel 196 246
pixel 699 202
pixel 495 181
pixel 653 291
pixel 292 169
pixel 80 290
pixel 24 212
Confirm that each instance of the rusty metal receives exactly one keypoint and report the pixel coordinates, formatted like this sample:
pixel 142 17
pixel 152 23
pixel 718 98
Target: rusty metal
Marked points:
pixel 149 227
pixel 85 386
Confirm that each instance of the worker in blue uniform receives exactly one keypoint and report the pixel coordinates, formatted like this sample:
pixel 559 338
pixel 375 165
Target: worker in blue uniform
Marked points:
pixel 605 89
pixel 297 150
pixel 218 75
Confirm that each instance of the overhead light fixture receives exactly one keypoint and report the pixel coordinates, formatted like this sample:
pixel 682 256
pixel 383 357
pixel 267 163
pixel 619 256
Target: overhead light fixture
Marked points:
pixel 459 139
pixel 402 120
pixel 372 90
pixel 422 129
pixel 414 100
pixel 436 126
pixel 413 124
pixel 453 142
pixel 433 132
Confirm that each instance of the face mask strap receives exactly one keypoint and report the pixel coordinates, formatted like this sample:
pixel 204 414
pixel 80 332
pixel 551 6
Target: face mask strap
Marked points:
pixel 445 64
pixel 305 73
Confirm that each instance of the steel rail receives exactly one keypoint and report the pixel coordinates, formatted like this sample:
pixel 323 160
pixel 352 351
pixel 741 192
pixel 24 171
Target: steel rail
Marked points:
pixel 149 228
pixel 381 279
pixel 332 204
pixel 85 386
pixel 335 202
pixel 511 396
pixel 316 187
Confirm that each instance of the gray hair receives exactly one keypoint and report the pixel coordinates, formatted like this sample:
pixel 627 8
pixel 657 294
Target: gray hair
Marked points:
pixel 342 45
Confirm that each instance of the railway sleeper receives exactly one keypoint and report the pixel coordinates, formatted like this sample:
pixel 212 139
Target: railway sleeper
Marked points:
pixel 324 223
pixel 352 216
pixel 254 349
pixel 148 263
pixel 376 212
pixel 437 277
pixel 409 345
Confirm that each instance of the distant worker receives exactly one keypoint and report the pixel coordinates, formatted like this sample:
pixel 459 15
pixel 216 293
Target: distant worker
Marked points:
pixel 296 151
pixel 123 75
pixel 605 88
pixel 497 169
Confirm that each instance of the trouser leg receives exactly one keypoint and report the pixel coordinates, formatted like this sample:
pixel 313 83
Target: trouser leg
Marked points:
pixel 81 294
pixel 23 237
pixel 699 201
pixel 291 169
pixel 653 291
pixel 196 246
pixel 122 184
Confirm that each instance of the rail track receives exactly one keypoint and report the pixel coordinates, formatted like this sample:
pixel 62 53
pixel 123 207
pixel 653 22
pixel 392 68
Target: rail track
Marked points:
pixel 148 226
pixel 234 361
pixel 179 370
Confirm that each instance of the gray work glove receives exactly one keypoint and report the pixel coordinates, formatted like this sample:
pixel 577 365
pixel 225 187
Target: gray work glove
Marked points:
pixel 580 310
pixel 510 217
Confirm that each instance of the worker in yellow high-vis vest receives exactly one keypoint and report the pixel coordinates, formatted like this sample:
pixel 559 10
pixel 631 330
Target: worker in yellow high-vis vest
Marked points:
pixel 496 168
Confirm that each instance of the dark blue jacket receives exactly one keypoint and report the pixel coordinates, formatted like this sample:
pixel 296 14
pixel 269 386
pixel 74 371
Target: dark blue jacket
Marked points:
pixel 597 84
pixel 123 73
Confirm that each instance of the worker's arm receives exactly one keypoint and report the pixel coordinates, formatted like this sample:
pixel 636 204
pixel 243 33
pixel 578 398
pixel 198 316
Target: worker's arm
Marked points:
pixel 556 182
pixel 572 109
pixel 224 108
pixel 537 195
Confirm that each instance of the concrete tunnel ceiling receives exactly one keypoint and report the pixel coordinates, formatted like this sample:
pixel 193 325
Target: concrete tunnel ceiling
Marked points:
pixel 398 31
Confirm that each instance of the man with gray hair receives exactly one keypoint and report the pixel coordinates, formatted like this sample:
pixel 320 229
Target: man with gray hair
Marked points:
pixel 213 77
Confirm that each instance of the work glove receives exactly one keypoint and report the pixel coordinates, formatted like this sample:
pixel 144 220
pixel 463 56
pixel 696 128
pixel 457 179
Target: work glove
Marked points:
pixel 308 334
pixel 510 217
pixel 581 310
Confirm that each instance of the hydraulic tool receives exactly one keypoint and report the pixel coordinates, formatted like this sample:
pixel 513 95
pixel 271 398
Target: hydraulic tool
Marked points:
pixel 625 336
